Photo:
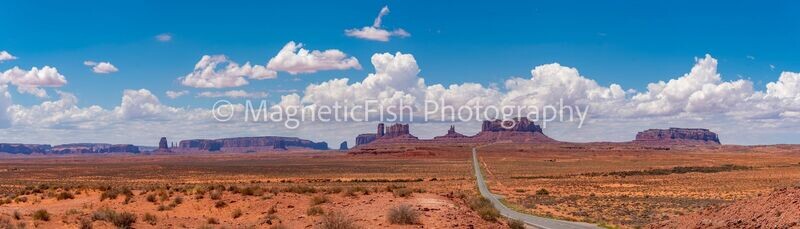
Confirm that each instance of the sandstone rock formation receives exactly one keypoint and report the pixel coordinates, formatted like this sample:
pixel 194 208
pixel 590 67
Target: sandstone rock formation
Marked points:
pixel 162 144
pixel 397 131
pixel 14 148
pixel 362 139
pixel 343 146
pixel 251 143
pixel 76 148
pixel 451 134
pixel 677 136
pixel 515 130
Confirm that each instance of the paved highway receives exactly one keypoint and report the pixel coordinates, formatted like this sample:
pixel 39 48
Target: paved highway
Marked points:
pixel 530 220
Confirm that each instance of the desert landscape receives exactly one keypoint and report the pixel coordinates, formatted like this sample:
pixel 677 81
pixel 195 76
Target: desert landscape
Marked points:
pixel 664 178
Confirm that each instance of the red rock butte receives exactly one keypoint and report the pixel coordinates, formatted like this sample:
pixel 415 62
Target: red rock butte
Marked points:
pixel 677 136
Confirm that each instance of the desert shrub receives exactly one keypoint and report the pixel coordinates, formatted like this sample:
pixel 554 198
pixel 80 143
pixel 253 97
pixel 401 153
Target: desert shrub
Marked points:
pixel 278 226
pixel 177 201
pixel 353 191
pixel 273 209
pixel 212 220
pixel 112 193
pixel 300 189
pixel 163 208
pixel 315 210
pixel 121 220
pixel 333 190
pixel 392 187
pixel 85 223
pixel 337 220
pixel 42 215
pixel 16 215
pixel 220 204
pixel 20 199
pixel 151 198
pixel 124 220
pixel 319 199
pixel 515 224
pixel 484 208
pixel 403 214
pixel 215 195
pixel 236 213
pixel 64 196
pixel 104 214
pixel 402 192
pixel 542 192
pixel 150 219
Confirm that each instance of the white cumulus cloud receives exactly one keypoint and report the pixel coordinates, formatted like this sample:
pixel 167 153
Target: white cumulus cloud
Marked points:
pixel 101 67
pixel 164 37
pixel 218 71
pixel 31 81
pixel 5 56
pixel 294 59
pixel 375 32
pixel 176 94
pixel 232 94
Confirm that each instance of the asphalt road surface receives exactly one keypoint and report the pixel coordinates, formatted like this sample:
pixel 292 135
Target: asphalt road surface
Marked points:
pixel 529 220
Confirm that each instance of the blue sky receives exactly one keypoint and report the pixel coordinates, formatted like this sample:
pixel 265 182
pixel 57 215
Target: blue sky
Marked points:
pixel 611 42
pixel 630 43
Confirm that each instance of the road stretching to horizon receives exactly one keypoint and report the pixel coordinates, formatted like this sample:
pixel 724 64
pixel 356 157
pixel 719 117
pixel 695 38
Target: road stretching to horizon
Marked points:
pixel 529 220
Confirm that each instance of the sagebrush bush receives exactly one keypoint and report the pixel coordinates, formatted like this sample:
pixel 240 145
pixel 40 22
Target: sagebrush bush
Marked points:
pixel 150 219
pixel 220 204
pixel 319 199
pixel 236 213
pixel 212 220
pixel 484 208
pixel 337 220
pixel 402 192
pixel 403 214
pixel 515 224
pixel 542 192
pixel 64 196
pixel 42 215
pixel 315 210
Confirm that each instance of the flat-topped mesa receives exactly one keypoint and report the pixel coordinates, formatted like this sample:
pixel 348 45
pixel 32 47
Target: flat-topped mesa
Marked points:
pixel 515 130
pixel 677 136
pixel 14 148
pixel 76 148
pixel 517 124
pixel 362 139
pixel 396 130
pixel 251 143
pixel 451 133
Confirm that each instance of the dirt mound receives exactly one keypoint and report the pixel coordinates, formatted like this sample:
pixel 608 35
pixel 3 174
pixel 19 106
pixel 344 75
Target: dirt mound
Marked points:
pixel 779 209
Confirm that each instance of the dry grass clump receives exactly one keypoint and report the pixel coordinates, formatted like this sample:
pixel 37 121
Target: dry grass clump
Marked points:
pixel 236 213
pixel 353 191
pixel 16 215
pixel 42 215
pixel 337 220
pixel 220 204
pixel 319 199
pixel 402 192
pixel 515 224
pixel 121 220
pixel 315 210
pixel 215 195
pixel 112 193
pixel 542 192
pixel 300 189
pixel 484 208
pixel 65 195
pixel 150 219
pixel 403 214
pixel 212 220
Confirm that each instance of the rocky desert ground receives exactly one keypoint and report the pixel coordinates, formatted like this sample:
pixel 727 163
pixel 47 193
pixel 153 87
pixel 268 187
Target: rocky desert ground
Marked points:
pixel 430 186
